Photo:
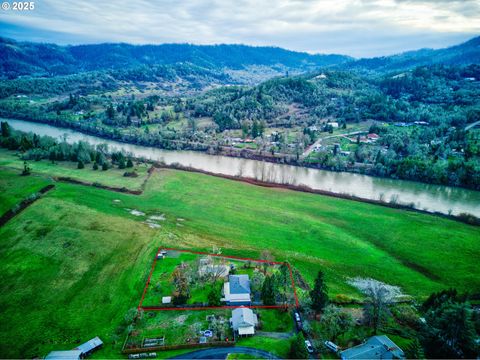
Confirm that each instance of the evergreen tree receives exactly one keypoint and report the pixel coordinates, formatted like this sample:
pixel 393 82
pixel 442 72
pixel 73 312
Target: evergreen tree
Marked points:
pixel 105 166
pixel 121 163
pixel 129 163
pixel 297 348
pixel 318 294
pixel 453 328
pixel 414 350
pixel 214 297
pixel 5 129
pixel 95 166
pixel 80 164
pixel 255 132
pixel 110 112
pixel 26 169
pixel 268 291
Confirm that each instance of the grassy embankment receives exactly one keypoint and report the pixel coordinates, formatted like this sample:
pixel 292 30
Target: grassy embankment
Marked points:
pixel 74 262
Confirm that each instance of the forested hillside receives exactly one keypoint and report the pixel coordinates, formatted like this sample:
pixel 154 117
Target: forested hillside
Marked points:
pixel 463 54
pixel 24 58
pixel 419 123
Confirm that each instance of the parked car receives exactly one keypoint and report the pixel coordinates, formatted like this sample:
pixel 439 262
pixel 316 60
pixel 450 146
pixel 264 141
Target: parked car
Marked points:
pixel 297 317
pixel 309 346
pixel 331 346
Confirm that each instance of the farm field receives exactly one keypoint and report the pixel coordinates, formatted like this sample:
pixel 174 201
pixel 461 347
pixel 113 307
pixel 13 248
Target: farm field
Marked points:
pixel 80 250
pixel 112 177
pixel 15 188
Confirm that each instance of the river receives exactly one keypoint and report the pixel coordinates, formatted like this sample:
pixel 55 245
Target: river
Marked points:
pixel 438 198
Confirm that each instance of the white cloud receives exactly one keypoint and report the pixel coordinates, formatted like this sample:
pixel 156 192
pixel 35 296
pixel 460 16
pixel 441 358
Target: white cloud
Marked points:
pixel 355 27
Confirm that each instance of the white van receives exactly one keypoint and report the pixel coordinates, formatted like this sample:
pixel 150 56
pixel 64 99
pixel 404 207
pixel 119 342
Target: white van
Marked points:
pixel 330 345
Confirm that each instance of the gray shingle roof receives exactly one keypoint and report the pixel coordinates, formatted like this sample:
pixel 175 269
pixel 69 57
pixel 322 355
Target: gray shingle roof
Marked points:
pixel 242 317
pixel 239 284
pixel 376 347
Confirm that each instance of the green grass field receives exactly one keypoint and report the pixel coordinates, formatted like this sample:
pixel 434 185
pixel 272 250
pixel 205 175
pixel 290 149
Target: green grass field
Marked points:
pixel 76 261
pixel 112 177
pixel 14 188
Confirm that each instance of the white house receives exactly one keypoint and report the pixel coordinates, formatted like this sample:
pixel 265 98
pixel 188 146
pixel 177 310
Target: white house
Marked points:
pixel 243 321
pixel 237 290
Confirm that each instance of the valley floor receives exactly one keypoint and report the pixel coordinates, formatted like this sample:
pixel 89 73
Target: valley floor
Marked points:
pixel 76 260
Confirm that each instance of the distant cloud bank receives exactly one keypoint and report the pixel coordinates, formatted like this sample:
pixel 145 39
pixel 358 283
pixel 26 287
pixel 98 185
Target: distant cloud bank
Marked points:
pixel 360 28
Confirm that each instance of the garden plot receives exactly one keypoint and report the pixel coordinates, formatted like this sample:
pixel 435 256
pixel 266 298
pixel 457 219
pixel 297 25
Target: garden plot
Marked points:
pixel 183 280
pixel 157 329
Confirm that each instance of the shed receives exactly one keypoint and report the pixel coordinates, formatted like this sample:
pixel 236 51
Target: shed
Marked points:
pixel 90 346
pixel 64 355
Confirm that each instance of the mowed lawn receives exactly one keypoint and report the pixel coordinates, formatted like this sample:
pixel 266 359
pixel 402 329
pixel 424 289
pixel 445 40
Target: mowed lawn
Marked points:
pixel 74 262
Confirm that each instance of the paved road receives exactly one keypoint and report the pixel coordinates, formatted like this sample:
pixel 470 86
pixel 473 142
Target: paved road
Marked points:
pixel 472 125
pixel 222 352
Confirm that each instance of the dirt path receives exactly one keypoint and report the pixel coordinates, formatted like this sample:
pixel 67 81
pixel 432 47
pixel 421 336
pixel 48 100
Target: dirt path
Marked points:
pixel 276 335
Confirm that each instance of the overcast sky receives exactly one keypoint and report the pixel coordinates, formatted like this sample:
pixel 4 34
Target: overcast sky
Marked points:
pixel 360 28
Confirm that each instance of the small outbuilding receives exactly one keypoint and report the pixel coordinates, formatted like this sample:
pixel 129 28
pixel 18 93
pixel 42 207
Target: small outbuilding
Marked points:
pixel 64 355
pixel 90 346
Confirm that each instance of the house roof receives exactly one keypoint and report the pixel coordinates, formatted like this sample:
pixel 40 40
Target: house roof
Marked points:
pixel 239 284
pixel 90 345
pixel 67 354
pixel 243 317
pixel 376 347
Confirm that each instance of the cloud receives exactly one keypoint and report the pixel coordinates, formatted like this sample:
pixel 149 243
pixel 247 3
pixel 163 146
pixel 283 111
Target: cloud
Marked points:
pixel 354 27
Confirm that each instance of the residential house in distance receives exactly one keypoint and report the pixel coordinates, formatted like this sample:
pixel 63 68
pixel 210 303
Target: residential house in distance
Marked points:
pixel 376 347
pixel 243 321
pixel 237 290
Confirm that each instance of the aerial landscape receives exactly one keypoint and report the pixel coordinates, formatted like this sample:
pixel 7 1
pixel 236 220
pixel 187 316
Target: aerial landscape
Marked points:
pixel 240 180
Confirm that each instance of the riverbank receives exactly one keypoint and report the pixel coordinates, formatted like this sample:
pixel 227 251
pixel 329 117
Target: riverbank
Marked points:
pixel 228 151
pixel 432 198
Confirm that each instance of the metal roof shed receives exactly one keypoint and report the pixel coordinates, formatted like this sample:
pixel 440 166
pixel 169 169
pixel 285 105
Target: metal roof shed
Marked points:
pixel 64 355
pixel 90 346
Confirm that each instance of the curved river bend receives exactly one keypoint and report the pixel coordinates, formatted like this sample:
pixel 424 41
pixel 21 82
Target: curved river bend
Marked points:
pixel 425 197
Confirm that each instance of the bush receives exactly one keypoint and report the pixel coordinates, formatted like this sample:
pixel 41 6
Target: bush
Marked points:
pixel 104 166
pixel 80 164
pixel 95 166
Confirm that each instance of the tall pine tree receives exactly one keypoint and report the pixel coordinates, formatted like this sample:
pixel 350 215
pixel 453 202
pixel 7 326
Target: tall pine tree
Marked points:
pixel 318 294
